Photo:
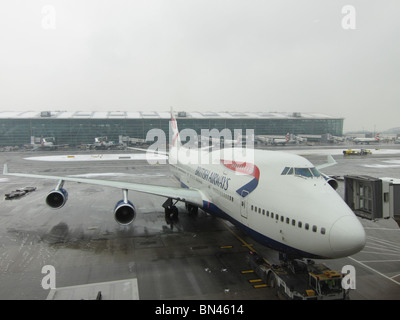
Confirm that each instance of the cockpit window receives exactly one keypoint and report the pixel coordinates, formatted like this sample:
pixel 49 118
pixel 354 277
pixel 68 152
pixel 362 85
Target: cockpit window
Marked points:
pixel 303 172
pixel 315 172
pixel 285 171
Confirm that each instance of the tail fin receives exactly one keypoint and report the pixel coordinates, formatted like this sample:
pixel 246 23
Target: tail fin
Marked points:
pixel 377 137
pixel 176 139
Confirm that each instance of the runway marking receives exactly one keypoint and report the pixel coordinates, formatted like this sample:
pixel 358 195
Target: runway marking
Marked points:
pixel 247 271
pixel 260 286
pixel 245 244
pixel 368 261
pixel 398 275
pixel 376 271
pixel 383 242
pixel 376 228
pixel 382 248
pixel 255 280
pixel 226 247
pixel 385 253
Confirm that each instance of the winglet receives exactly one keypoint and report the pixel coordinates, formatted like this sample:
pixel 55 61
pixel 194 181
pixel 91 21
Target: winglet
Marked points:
pixel 5 169
pixel 331 162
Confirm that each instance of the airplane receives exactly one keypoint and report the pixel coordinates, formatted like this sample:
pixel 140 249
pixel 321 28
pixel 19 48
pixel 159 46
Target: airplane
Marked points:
pixel 282 141
pixel 46 143
pixel 279 199
pixel 274 140
pixel 376 139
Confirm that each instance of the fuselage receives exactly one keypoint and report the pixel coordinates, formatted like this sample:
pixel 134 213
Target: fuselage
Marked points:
pixel 277 198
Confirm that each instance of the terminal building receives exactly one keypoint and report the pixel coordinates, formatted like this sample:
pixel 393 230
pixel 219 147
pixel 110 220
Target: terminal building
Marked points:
pixel 76 128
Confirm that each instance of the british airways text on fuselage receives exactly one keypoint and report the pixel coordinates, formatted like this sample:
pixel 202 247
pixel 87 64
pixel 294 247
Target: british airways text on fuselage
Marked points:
pixel 213 177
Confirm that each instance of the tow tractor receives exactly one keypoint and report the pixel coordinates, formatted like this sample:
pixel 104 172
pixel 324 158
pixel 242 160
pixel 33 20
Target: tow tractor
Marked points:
pixel 361 152
pixel 297 279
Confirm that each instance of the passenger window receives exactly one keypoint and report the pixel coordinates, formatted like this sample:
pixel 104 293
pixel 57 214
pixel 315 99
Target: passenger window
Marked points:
pixel 323 230
pixel 263 212
pixel 277 217
pixel 307 226
pixel 314 228
pixel 282 218
pixel 272 215
pixel 287 220
pixel 267 213
pixel 293 222
pixel 300 224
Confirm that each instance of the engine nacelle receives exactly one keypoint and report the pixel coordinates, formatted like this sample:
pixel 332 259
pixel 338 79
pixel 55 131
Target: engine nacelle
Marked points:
pixel 124 212
pixel 57 198
pixel 332 182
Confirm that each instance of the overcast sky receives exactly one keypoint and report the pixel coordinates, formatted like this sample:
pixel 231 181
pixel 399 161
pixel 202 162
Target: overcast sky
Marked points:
pixel 219 55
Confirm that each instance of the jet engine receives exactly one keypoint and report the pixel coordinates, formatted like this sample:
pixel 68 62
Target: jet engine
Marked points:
pixel 332 182
pixel 124 212
pixel 57 198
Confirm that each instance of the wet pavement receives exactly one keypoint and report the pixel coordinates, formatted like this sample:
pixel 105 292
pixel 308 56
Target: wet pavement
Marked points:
pixel 200 257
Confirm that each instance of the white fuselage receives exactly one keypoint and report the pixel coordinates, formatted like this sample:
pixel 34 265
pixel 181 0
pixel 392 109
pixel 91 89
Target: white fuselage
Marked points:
pixel 275 198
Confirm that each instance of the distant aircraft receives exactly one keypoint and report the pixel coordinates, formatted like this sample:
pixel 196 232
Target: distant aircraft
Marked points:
pixel 279 199
pixel 282 141
pixel 274 140
pixel 46 143
pixel 367 140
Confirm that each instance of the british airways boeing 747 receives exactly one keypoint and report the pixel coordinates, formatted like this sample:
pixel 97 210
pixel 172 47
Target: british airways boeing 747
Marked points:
pixel 279 199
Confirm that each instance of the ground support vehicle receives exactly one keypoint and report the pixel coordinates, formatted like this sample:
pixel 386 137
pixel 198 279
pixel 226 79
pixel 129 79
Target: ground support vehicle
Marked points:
pixel 361 152
pixel 19 193
pixel 296 279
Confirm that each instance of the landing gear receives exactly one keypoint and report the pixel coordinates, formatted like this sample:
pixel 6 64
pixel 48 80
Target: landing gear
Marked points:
pixel 171 211
pixel 191 208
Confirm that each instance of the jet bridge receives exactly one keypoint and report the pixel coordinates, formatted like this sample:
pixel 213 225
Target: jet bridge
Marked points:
pixel 373 198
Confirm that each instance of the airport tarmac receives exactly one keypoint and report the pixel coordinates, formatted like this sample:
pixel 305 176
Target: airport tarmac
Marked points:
pixel 199 257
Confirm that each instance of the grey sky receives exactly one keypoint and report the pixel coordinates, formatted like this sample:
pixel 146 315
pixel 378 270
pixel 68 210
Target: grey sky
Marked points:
pixel 279 55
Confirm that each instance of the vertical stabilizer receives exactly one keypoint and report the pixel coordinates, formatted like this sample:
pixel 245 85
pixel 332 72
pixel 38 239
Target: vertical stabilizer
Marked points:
pixel 175 141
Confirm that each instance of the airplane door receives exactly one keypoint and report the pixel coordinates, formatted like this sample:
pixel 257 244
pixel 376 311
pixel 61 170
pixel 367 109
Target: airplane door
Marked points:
pixel 243 204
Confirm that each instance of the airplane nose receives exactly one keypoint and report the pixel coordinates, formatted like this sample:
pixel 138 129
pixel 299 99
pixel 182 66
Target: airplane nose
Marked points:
pixel 347 236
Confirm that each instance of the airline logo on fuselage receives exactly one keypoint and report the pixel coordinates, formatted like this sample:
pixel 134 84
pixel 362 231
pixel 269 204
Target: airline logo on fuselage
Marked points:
pixel 223 181
pixel 244 168
pixel 213 177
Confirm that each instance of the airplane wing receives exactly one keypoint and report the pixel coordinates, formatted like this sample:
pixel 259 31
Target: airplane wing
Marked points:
pixel 193 196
